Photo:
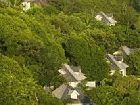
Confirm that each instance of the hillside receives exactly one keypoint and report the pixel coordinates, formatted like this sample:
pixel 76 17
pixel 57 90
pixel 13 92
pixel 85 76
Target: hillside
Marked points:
pixel 35 43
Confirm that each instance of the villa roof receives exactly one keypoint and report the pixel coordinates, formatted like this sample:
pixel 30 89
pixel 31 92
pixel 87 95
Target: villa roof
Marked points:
pixel 76 68
pixel 91 84
pixel 40 2
pixel 61 91
pixel 118 58
pixel 107 18
pixel 71 75
pixel 118 64
pixel 127 51
pixel 64 91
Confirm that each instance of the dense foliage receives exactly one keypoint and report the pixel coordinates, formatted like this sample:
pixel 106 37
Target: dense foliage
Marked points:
pixel 18 86
pixel 34 45
pixel 134 61
pixel 117 91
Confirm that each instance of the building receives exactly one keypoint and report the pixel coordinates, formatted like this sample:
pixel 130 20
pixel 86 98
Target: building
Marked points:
pixel 26 5
pixel 72 74
pixel 106 18
pixel 117 65
pixel 90 85
pixel 74 95
pixel 48 88
pixel 70 91
pixel 61 92
pixel 126 51
pixel 116 60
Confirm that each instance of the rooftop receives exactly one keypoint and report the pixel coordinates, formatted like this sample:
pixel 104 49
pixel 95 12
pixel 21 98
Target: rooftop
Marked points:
pixel 118 64
pixel 61 91
pixel 126 50
pixel 107 18
pixel 64 91
pixel 72 75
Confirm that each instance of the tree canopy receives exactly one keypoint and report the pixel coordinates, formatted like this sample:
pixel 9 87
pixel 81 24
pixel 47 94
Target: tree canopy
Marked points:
pixel 34 44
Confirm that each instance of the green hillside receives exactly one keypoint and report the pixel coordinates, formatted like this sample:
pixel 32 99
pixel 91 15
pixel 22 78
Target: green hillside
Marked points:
pixel 34 45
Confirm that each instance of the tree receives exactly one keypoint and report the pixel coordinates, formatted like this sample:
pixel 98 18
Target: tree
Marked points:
pixel 105 95
pixel 17 85
pixel 134 61
pixel 10 2
pixel 103 38
pixel 84 52
pixel 117 90
pixel 32 45
pixel 136 4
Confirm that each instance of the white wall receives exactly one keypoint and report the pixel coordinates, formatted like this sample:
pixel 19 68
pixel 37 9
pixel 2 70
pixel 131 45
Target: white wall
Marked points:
pixel 26 6
pixel 98 18
pixel 73 84
pixel 74 95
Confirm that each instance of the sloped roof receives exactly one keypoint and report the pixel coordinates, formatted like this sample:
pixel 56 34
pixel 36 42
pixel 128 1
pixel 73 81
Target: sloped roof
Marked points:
pixel 73 91
pixel 76 68
pixel 64 92
pixel 126 50
pixel 106 18
pixel 40 2
pixel 118 64
pixel 61 91
pixel 69 77
pixel 91 84
pixel 118 58
pixel 72 76
pixel 113 67
pixel 83 98
pixel 109 14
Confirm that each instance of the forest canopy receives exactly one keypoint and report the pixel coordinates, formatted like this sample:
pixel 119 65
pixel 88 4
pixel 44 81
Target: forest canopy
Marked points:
pixel 34 45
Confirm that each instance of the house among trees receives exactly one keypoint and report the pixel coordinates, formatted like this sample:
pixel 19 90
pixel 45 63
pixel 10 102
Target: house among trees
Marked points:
pixel 124 51
pixel 70 91
pixel 106 18
pixel 90 85
pixel 72 74
pixel 116 60
pixel 73 96
pixel 26 4
pixel 117 64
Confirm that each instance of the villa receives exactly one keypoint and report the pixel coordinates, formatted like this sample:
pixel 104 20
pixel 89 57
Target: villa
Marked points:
pixel 106 18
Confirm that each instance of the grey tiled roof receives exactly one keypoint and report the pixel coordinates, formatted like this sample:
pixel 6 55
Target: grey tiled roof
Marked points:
pixel 76 68
pixel 61 91
pixel 118 64
pixel 127 51
pixel 108 19
pixel 71 76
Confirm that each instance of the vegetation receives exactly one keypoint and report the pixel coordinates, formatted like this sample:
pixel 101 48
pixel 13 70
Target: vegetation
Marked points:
pixel 18 87
pixel 133 61
pixel 34 44
pixel 117 91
